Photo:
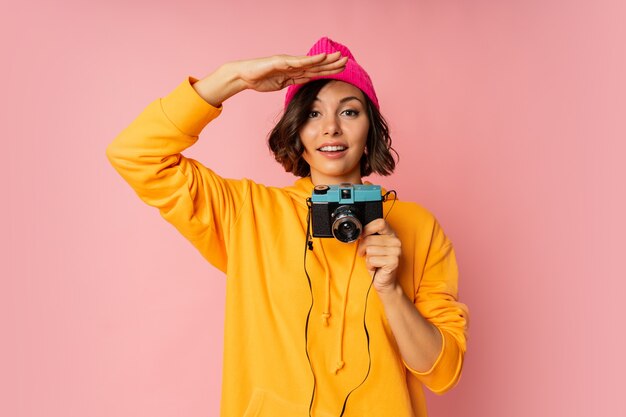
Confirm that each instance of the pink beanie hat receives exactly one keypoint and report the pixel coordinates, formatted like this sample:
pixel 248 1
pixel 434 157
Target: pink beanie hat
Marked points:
pixel 353 72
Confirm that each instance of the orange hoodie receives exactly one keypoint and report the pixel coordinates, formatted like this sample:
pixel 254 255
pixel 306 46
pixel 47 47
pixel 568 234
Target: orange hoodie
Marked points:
pixel 256 235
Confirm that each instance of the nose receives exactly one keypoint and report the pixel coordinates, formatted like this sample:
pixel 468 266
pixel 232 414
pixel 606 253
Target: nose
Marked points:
pixel 331 126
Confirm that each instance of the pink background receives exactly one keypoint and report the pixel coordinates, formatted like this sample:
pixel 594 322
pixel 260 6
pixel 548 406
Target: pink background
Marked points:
pixel 509 119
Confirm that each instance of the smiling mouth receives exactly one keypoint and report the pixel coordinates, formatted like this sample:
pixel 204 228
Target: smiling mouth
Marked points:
pixel 332 148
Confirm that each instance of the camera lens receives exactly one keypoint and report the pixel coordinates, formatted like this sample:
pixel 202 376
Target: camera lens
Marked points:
pixel 346 226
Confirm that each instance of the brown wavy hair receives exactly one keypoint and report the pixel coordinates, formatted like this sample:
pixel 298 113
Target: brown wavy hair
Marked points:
pixel 284 140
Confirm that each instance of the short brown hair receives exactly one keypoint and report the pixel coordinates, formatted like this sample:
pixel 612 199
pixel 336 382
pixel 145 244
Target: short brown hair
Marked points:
pixel 284 140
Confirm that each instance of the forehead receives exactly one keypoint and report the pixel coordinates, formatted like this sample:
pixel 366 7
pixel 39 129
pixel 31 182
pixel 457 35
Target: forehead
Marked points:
pixel 336 90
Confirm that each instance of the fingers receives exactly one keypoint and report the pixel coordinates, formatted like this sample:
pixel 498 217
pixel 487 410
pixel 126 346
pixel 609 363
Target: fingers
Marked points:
pixel 380 245
pixel 387 250
pixel 382 250
pixel 302 69
pixel 309 75
pixel 378 226
pixel 379 239
pixel 279 71
pixel 388 263
pixel 330 64
pixel 315 64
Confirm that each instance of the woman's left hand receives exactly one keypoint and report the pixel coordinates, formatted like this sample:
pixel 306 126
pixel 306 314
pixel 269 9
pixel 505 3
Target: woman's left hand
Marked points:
pixel 381 248
pixel 419 341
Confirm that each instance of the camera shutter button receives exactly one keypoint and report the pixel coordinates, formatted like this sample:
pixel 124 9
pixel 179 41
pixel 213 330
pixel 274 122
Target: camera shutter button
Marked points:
pixel 321 189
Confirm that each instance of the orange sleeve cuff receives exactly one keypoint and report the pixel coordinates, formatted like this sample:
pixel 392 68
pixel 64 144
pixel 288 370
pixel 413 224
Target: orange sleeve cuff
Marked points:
pixel 187 110
pixel 446 371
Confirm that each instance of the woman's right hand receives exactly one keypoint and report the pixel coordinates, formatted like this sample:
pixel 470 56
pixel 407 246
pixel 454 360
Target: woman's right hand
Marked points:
pixel 279 71
pixel 266 74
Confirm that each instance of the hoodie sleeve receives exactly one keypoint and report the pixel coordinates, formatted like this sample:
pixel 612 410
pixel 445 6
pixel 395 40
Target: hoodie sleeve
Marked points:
pixel 436 298
pixel 147 154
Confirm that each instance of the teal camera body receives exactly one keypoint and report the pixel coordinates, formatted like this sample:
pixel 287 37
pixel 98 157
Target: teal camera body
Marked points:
pixel 341 211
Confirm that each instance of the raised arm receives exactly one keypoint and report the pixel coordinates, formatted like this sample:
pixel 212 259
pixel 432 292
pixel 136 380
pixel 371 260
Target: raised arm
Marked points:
pixel 266 74
pixel 147 154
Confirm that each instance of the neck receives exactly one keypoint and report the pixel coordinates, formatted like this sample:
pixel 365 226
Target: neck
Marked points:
pixel 318 179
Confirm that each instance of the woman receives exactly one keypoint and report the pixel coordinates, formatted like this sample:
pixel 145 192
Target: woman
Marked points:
pixel 303 334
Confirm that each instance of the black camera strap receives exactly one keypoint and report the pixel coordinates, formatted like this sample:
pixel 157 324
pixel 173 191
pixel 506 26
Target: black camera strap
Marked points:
pixel 309 246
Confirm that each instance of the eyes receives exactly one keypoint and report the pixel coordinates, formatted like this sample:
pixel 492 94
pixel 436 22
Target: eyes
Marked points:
pixel 350 113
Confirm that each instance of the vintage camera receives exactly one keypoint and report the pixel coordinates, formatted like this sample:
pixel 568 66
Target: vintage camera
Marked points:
pixel 341 211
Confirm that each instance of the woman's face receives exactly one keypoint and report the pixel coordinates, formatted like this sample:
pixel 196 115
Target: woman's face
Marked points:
pixel 335 134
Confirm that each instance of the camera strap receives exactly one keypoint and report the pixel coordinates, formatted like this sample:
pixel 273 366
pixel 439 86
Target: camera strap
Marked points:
pixel 309 247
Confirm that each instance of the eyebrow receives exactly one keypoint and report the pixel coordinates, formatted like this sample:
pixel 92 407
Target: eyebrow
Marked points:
pixel 345 99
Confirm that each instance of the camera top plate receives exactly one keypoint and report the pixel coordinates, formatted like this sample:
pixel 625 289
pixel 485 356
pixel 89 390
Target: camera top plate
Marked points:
pixel 346 193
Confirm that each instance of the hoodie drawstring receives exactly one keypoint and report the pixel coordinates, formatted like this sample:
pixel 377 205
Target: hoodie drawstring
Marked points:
pixel 327 314
pixel 340 363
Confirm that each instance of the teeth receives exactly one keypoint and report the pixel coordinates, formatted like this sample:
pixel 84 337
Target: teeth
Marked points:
pixel 332 148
